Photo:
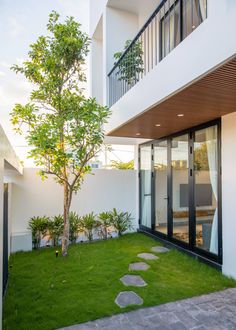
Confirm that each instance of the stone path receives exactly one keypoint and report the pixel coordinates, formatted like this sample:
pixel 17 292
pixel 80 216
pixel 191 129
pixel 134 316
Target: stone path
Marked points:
pixel 139 266
pixel 159 249
pixel 147 256
pixel 127 298
pixel 133 280
pixel 216 311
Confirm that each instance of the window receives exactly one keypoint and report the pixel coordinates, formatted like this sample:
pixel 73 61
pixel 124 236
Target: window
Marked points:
pixel 193 14
pixel 181 19
pixel 170 27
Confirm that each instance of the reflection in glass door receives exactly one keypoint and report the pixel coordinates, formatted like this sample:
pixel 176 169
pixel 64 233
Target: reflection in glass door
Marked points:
pixel 161 180
pixel 206 188
pixel 180 187
pixel 146 185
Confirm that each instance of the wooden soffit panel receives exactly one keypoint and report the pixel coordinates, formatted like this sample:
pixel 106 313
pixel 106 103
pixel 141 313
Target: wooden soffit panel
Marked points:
pixel 209 98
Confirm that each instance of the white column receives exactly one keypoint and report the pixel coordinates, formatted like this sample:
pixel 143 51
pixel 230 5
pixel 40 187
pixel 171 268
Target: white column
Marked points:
pixel 229 193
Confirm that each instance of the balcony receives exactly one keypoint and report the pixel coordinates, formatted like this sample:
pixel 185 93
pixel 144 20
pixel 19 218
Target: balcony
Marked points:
pixel 170 24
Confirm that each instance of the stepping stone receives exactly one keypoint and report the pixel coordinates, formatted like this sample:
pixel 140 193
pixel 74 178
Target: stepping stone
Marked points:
pixel 133 280
pixel 159 249
pixel 147 256
pixel 139 266
pixel 127 298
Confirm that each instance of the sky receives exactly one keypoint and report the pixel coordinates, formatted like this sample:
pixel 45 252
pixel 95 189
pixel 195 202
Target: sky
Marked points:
pixel 22 22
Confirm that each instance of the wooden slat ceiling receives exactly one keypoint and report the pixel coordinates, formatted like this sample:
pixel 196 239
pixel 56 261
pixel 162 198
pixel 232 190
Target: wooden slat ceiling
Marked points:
pixel 208 98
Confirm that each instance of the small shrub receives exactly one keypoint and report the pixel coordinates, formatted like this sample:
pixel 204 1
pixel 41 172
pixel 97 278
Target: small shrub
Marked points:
pixel 38 227
pixel 121 221
pixel 74 226
pixel 87 224
pixel 55 229
pixel 105 223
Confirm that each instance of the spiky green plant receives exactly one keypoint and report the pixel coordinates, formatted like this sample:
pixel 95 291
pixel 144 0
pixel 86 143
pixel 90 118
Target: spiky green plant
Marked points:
pixel 104 219
pixel 74 226
pixel 38 226
pixel 121 221
pixel 87 224
pixel 55 228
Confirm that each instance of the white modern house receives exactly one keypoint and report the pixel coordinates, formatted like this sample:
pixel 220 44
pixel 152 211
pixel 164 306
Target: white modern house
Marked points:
pixel 173 92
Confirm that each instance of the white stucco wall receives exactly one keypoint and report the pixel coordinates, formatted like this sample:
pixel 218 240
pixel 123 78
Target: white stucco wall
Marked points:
pixel 229 193
pixel 102 191
pixel 96 10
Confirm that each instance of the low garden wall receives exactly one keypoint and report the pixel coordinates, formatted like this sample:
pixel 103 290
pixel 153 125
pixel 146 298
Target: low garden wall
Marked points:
pixel 102 191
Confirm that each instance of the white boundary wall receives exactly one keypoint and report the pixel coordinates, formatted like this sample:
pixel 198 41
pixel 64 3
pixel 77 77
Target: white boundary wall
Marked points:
pixel 101 191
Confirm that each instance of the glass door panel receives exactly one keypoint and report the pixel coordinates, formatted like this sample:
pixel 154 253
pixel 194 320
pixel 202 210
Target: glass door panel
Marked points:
pixel 180 187
pixel 206 188
pixel 146 185
pixel 161 194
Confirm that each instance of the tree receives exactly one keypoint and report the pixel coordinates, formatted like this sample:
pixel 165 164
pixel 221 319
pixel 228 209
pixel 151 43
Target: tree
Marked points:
pixel 122 165
pixel 64 128
pixel 131 64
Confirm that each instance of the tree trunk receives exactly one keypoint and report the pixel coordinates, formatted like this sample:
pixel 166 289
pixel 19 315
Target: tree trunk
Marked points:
pixel 66 230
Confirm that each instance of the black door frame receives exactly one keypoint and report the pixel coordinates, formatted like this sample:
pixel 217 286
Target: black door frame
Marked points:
pixel 192 218
pixel 5 238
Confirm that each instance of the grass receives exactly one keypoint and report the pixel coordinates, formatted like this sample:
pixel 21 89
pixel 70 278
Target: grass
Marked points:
pixel 45 292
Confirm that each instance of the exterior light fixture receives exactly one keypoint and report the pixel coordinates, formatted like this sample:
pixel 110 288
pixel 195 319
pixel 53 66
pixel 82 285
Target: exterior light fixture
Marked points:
pixel 56 253
pixel 180 115
pixel 138 134
pixel 158 125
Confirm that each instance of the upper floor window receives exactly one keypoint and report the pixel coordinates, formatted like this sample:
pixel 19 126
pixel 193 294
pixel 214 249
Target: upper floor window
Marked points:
pixel 179 21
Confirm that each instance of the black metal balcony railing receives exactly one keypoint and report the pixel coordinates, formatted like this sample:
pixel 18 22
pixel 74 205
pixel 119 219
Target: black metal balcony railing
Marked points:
pixel 171 22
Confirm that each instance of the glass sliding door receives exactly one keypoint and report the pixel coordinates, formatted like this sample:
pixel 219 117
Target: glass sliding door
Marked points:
pixel 180 197
pixel 161 182
pixel 180 187
pixel 206 188
pixel 146 185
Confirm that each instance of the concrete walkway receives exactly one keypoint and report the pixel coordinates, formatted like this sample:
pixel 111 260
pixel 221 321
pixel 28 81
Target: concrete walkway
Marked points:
pixel 216 311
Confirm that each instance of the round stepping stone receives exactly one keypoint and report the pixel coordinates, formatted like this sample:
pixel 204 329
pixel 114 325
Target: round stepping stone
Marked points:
pixel 139 266
pixel 127 298
pixel 159 249
pixel 147 256
pixel 133 280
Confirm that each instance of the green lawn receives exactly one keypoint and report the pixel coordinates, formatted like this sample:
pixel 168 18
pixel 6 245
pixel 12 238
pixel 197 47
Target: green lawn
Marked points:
pixel 45 292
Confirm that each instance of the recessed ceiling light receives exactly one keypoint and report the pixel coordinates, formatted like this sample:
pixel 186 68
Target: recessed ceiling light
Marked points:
pixel 138 134
pixel 158 125
pixel 180 115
